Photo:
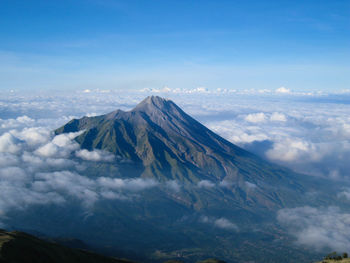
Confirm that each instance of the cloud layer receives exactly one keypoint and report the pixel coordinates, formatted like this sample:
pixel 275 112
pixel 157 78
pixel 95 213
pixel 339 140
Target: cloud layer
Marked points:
pixel 306 132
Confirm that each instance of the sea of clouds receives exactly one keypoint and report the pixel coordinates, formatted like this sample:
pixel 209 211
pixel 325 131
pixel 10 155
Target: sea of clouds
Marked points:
pixel 307 132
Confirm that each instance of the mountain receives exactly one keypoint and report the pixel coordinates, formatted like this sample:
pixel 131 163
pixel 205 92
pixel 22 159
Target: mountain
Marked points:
pixel 19 247
pixel 213 199
pixel 165 143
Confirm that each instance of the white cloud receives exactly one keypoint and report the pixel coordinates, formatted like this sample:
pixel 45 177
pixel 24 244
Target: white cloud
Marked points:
pixel 227 183
pixel 7 159
pixel 48 150
pixel 9 144
pixel 225 224
pixel 200 90
pixel 13 197
pixel 250 185
pixel 276 116
pixel 113 195
pixel 14 176
pixel 256 117
pixel 345 193
pixel 173 185
pixel 60 146
pixel 318 228
pixel 292 150
pixel 136 184
pixel 221 222
pixel 205 184
pixel 197 90
pixel 283 90
pixel 15 123
pixel 65 139
pixel 69 183
pixel 95 155
pixel 33 136
pixel 238 133
pixel 25 119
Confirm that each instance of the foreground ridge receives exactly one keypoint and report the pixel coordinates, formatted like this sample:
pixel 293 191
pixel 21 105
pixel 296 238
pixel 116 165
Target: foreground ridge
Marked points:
pixel 20 247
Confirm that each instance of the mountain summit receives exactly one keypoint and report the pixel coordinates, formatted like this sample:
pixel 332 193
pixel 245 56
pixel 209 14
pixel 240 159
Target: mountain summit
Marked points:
pixel 154 102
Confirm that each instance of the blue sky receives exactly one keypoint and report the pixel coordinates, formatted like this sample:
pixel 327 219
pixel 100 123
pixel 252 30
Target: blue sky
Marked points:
pixel 47 45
